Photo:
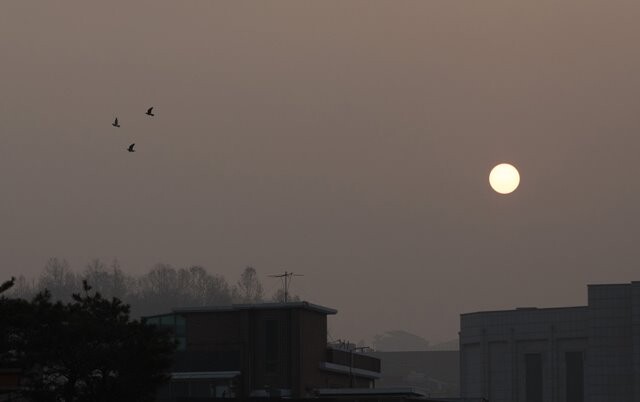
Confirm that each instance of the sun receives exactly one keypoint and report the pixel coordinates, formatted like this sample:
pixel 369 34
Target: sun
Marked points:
pixel 504 178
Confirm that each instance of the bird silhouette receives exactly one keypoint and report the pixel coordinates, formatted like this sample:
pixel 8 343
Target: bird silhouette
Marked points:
pixel 130 149
pixel 149 112
pixel 115 123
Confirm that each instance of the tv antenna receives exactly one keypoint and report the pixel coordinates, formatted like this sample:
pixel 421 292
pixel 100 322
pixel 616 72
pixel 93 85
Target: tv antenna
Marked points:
pixel 286 277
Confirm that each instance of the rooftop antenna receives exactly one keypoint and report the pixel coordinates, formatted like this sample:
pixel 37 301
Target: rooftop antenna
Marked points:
pixel 286 281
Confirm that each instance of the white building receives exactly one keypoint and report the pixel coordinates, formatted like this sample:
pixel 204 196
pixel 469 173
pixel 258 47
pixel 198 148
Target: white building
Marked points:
pixel 572 354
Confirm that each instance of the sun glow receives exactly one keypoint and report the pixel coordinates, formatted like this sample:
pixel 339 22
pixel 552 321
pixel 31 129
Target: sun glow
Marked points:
pixel 504 178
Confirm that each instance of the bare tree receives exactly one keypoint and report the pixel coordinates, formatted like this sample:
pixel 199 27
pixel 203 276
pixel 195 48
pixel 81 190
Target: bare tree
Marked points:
pixel 202 288
pixel 278 297
pixel 58 278
pixel 248 289
pixel 161 280
pixel 159 290
pixel 95 273
pixel 110 282
pixel 166 287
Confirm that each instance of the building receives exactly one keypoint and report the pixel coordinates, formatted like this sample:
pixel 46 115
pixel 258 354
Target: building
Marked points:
pixel 437 373
pixel 397 394
pixel 572 354
pixel 254 350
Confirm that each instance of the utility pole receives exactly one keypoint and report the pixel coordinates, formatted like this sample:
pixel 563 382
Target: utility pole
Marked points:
pixel 286 281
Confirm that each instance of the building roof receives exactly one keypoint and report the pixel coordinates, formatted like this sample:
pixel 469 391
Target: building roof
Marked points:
pixel 532 309
pixel 204 375
pixel 526 309
pixel 592 285
pixel 342 369
pixel 398 391
pixel 258 306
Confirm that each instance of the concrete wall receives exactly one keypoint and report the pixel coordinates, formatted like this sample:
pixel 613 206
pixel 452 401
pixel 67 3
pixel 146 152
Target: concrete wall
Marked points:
pixel 635 329
pixel 609 359
pixel 313 331
pixel 494 346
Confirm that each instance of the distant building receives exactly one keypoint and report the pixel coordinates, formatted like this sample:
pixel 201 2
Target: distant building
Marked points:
pixel 259 350
pixel 572 354
pixel 437 373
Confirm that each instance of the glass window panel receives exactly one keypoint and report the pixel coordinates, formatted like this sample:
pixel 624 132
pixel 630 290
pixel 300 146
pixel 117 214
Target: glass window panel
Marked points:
pixel 180 388
pixel 182 343
pixel 168 320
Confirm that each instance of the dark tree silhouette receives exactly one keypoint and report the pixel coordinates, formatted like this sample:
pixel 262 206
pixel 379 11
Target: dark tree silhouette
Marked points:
pixel 7 285
pixel 23 288
pixel 85 350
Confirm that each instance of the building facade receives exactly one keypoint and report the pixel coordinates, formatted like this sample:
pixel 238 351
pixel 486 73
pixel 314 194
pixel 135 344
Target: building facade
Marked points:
pixel 573 354
pixel 270 349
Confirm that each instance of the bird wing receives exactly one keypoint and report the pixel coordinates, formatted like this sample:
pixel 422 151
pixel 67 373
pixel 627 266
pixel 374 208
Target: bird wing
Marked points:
pixel 149 110
pixel 131 146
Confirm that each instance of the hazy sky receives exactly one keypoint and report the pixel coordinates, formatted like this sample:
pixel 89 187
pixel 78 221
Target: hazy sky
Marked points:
pixel 349 141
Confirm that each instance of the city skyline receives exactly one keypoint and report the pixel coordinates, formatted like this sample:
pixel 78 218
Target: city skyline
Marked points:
pixel 347 141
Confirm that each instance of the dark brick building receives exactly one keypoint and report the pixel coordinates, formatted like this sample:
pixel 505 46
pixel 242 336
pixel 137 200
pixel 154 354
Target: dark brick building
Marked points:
pixel 276 349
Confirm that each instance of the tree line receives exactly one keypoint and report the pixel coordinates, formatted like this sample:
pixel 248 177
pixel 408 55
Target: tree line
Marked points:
pixel 158 290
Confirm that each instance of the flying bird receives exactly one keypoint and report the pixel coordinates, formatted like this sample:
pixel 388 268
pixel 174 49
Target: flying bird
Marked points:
pixel 149 112
pixel 115 123
pixel 130 149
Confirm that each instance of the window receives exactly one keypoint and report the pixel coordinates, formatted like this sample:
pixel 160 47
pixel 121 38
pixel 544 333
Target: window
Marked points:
pixel 201 389
pixel 271 345
pixel 181 326
pixel 575 376
pixel 175 323
pixel 179 389
pixel 533 377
